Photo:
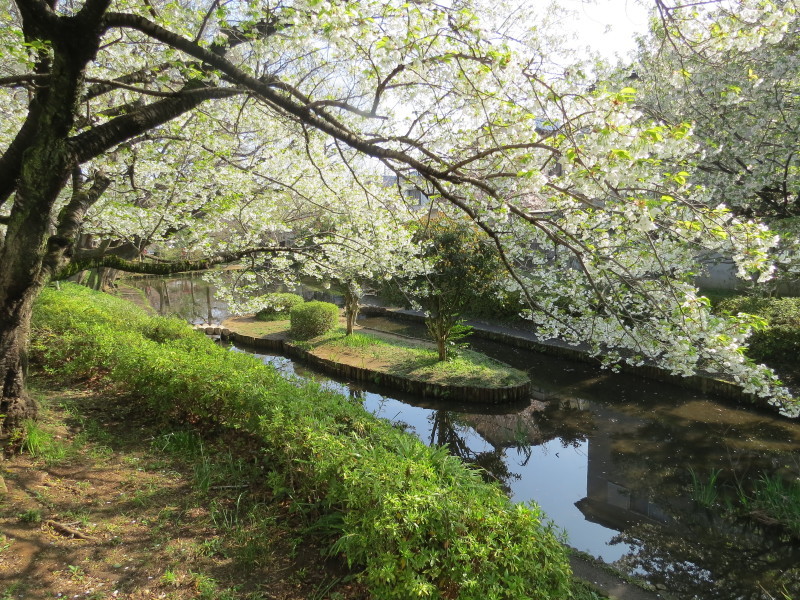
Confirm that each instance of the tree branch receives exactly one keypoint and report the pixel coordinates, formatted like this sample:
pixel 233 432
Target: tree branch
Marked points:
pixel 60 246
pixel 266 89
pixel 22 80
pixel 97 140
pixel 104 86
pixel 96 258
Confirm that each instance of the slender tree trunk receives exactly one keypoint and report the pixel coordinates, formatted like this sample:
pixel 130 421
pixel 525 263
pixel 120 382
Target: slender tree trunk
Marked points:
pixel 441 346
pixel 351 307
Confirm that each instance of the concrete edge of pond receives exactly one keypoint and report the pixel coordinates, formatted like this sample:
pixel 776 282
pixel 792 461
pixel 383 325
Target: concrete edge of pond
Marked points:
pixel 528 340
pixel 605 580
pixel 426 389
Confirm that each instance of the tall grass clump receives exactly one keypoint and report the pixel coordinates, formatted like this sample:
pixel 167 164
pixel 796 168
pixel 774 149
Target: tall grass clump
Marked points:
pixel 416 521
pixel 704 490
pixel 779 500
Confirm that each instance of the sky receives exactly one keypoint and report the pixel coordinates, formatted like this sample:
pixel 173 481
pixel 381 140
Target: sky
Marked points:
pixel 609 26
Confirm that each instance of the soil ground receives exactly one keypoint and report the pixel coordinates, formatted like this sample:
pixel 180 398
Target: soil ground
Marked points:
pixel 115 505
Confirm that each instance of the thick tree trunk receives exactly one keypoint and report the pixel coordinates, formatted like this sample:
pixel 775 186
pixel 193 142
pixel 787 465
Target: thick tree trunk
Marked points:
pixel 27 247
pixel 32 248
pixel 15 403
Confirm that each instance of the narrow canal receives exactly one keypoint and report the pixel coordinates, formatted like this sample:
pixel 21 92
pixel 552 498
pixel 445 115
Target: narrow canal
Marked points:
pixel 644 475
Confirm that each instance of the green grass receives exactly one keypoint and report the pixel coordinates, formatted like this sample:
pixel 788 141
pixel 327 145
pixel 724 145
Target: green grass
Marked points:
pixel 779 500
pixel 704 490
pixel 406 358
pixel 416 360
pixel 413 520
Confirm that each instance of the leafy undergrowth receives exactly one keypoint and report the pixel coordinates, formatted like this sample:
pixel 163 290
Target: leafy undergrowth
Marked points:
pixel 392 354
pixel 414 521
pixel 777 341
pixel 105 502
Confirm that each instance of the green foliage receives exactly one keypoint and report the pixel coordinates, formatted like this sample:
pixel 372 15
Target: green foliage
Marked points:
pixel 311 319
pixel 278 306
pixel 780 339
pixel 42 444
pixel 466 266
pixel 417 520
pixel 779 500
pixel 168 328
pixel 31 515
pixel 704 491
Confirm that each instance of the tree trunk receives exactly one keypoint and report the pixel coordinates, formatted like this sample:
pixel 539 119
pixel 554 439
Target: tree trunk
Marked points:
pixel 31 247
pixel 441 346
pixel 15 403
pixel 439 331
pixel 351 307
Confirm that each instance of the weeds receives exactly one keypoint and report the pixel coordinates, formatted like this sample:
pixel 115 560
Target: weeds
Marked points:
pixel 225 517
pixel 779 500
pixel 770 498
pixel 32 515
pixel 76 573
pixel 704 491
pixel 169 578
pixel 42 444
pixel 182 442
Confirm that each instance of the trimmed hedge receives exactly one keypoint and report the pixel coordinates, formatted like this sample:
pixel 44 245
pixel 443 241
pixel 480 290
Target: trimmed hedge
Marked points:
pixel 311 319
pixel 279 305
pixel 779 341
pixel 418 521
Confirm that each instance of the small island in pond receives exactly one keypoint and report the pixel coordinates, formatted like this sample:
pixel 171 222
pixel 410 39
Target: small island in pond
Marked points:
pixel 410 365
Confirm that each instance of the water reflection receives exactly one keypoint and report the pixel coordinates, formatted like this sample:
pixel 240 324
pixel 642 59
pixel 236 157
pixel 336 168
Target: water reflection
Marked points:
pixel 192 298
pixel 609 459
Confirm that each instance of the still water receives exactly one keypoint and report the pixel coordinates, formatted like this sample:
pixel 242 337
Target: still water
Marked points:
pixel 618 462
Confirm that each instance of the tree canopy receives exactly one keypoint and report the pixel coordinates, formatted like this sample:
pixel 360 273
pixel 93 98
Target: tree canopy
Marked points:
pixel 251 129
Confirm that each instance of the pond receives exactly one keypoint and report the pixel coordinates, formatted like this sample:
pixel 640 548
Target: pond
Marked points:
pixel 622 464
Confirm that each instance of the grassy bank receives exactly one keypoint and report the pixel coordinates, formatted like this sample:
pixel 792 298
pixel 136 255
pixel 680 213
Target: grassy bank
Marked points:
pixel 411 520
pixel 107 502
pixel 392 354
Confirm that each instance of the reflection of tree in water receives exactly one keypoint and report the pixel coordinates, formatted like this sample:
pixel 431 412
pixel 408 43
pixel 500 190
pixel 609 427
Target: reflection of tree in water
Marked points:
pixel 747 561
pixel 702 552
pixel 564 419
pixel 660 452
pixel 446 431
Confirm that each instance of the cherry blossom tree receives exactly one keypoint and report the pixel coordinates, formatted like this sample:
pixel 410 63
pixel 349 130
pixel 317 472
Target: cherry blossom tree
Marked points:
pixel 235 127
pixel 732 70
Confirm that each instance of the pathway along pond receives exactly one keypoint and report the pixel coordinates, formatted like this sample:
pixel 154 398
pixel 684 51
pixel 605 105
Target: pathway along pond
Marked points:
pixel 622 464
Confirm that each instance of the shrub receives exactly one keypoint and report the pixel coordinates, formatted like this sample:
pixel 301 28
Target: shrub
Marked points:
pixel 278 306
pixel 780 340
pixel 419 522
pixel 311 319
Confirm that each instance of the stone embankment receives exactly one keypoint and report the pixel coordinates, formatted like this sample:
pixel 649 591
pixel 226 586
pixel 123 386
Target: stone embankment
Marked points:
pixel 528 340
pixel 279 344
pixel 511 336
